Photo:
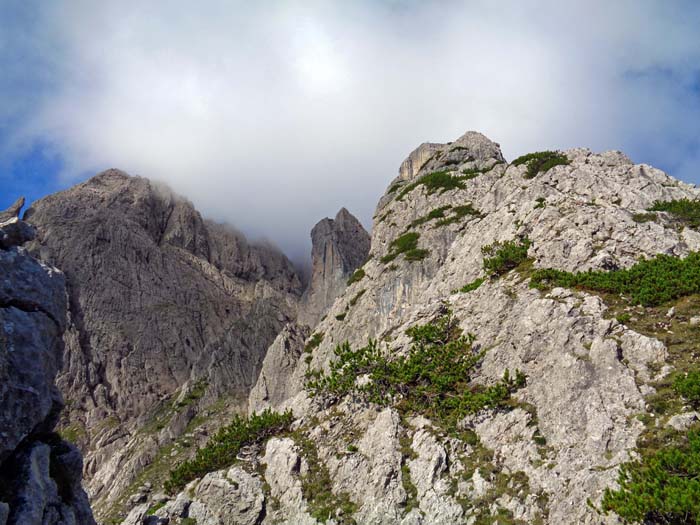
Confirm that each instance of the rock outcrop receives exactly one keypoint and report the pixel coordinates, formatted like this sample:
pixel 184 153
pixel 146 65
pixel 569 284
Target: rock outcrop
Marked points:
pixel 40 474
pixel 168 313
pixel 547 458
pixel 339 247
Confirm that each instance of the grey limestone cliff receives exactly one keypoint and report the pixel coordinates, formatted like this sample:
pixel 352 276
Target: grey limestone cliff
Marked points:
pixel 168 313
pixel 339 247
pixel 40 474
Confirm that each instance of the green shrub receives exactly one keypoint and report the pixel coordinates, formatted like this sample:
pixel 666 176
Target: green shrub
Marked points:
pixel 196 393
pixel 501 257
pixel 458 213
pixel 685 210
pixel 341 317
pixel 650 282
pixel 188 521
pixel 644 217
pixel 357 275
pixel 434 379
pixel 356 297
pixel 471 173
pixel 623 318
pixel 470 287
pixel 541 162
pixel 406 244
pixel 437 180
pixel 688 386
pixel 663 487
pixel 541 202
pixel 155 508
pixel 315 340
pixel 221 450
pixel 437 213
pixel 395 186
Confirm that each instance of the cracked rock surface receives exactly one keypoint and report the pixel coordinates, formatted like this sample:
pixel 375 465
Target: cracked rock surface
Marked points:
pixel 40 474
pixel 548 459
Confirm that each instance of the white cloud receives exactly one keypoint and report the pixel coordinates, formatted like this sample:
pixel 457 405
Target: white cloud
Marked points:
pixel 272 115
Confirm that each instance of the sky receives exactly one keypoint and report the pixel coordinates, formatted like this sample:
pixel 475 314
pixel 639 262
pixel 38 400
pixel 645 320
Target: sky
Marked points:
pixel 272 115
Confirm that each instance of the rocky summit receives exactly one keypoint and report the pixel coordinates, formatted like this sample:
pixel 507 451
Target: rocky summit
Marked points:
pixel 515 343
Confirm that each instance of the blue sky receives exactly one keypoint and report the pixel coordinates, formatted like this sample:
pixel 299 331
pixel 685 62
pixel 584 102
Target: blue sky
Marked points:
pixel 273 115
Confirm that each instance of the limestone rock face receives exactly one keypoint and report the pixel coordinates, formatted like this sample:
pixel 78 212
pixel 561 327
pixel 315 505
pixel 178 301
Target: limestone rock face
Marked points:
pixel 547 460
pixel 339 247
pixel 280 372
pixel 40 475
pixel 167 313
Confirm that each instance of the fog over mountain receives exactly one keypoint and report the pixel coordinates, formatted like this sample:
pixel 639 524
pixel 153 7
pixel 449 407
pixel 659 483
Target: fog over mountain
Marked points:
pixel 272 115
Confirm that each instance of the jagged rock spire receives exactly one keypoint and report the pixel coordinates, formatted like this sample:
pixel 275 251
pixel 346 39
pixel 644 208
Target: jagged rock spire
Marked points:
pixel 339 247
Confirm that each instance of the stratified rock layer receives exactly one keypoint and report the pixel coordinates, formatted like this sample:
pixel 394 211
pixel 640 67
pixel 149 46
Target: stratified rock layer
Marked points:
pixel 162 304
pixel 40 475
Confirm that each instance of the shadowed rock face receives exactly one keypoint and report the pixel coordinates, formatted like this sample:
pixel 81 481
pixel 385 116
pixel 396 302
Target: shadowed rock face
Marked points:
pixel 159 300
pixel 40 474
pixel 339 247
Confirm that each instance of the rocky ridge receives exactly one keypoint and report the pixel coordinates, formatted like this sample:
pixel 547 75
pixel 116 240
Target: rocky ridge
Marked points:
pixel 40 474
pixel 550 457
pixel 170 316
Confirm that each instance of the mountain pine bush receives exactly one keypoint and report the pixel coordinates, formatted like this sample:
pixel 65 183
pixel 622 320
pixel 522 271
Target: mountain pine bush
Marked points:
pixel 541 162
pixel 222 449
pixel 662 488
pixel 685 210
pixel 433 379
pixel 501 257
pixel 650 282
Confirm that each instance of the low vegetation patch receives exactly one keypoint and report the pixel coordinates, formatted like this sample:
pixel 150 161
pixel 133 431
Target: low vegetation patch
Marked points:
pixel 406 244
pixel 222 449
pixel 541 162
pixel 313 342
pixel 661 488
pixel 650 282
pixel 470 287
pixel 458 213
pixel 441 181
pixel 644 217
pixel 437 213
pixel 316 486
pixel 540 202
pixel 688 386
pixel 472 173
pixel 684 210
pixel 356 276
pixel 433 379
pixel 501 257
pixel 455 215
pixel 194 395
pixel 356 297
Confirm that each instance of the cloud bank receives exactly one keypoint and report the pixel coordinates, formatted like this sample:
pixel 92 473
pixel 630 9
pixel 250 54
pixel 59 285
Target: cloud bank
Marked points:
pixel 272 115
